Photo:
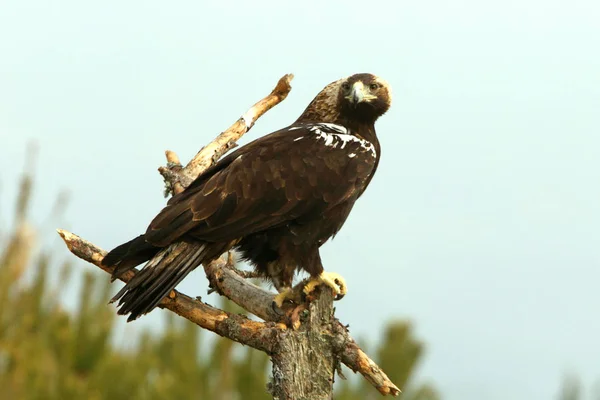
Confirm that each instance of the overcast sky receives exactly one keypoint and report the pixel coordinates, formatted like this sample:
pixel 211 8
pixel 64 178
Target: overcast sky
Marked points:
pixel 481 225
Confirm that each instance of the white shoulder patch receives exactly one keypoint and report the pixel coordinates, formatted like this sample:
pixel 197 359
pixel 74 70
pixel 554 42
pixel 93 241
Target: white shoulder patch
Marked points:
pixel 337 135
pixel 333 127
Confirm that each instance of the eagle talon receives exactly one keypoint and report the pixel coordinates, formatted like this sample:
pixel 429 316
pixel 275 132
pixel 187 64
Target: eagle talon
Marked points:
pixel 285 294
pixel 331 280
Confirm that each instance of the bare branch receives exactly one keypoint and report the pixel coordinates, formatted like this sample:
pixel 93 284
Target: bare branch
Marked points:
pixel 241 291
pixel 255 334
pixel 356 359
pixel 226 140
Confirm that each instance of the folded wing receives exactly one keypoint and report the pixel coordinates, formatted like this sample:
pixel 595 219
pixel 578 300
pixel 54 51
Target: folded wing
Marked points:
pixel 285 176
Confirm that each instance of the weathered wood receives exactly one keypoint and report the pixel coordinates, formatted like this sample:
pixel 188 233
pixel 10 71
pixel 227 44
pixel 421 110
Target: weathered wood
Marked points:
pixel 304 360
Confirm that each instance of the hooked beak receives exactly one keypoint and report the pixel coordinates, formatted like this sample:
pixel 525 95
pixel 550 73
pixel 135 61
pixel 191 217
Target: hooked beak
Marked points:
pixel 359 93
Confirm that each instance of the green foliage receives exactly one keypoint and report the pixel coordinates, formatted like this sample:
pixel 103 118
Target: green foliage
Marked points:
pixel 47 352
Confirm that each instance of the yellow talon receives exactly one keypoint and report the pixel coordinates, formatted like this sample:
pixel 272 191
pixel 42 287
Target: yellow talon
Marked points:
pixel 330 279
pixel 285 294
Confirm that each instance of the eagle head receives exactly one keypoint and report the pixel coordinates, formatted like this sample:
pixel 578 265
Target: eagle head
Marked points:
pixel 360 98
pixel 364 97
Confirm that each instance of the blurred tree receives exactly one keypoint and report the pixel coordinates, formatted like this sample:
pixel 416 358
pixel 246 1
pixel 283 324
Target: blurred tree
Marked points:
pixel 47 352
pixel 572 389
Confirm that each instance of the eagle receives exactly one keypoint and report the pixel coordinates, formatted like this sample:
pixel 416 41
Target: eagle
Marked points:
pixel 275 201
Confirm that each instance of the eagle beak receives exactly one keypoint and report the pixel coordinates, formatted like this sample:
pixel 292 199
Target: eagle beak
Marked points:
pixel 359 93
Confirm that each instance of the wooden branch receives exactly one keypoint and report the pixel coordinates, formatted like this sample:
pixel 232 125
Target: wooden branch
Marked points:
pixel 304 362
pixel 241 291
pixel 209 154
pixel 354 358
pixel 255 334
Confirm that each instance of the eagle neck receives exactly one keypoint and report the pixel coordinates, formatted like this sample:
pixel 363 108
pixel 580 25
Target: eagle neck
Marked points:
pixel 364 130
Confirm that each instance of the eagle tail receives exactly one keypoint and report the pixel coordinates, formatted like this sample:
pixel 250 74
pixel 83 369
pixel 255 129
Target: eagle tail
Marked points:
pixel 129 255
pixel 158 277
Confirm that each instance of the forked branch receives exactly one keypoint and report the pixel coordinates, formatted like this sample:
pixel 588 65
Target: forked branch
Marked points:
pixel 181 178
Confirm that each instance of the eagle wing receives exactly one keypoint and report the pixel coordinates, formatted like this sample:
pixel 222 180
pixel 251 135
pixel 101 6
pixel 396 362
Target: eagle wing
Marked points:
pixel 289 175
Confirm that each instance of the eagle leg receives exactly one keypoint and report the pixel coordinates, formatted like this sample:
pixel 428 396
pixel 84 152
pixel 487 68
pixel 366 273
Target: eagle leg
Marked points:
pixel 329 279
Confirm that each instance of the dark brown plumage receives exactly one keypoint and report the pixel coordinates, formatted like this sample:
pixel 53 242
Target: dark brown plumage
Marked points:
pixel 276 200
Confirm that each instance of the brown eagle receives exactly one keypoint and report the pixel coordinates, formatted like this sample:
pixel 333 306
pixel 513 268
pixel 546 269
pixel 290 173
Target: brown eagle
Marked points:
pixel 276 201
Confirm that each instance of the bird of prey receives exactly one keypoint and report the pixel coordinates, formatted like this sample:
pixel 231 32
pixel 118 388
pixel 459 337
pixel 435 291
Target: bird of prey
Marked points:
pixel 276 201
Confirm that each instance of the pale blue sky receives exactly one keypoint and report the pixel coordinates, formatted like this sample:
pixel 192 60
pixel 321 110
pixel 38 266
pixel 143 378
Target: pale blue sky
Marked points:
pixel 481 225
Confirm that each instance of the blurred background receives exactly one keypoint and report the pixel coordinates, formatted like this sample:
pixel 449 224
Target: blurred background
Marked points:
pixel 472 260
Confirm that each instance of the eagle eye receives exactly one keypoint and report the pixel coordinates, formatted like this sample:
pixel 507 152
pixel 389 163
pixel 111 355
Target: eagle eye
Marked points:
pixel 346 86
pixel 374 86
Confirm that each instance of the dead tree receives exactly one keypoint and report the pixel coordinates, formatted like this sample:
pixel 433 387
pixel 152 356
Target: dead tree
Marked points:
pixel 307 344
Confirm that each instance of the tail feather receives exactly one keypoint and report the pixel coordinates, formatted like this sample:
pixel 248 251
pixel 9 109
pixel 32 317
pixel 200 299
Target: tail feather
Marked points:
pixel 160 275
pixel 129 255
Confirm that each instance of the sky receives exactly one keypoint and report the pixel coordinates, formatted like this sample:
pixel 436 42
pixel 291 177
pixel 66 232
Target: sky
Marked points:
pixel 481 224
